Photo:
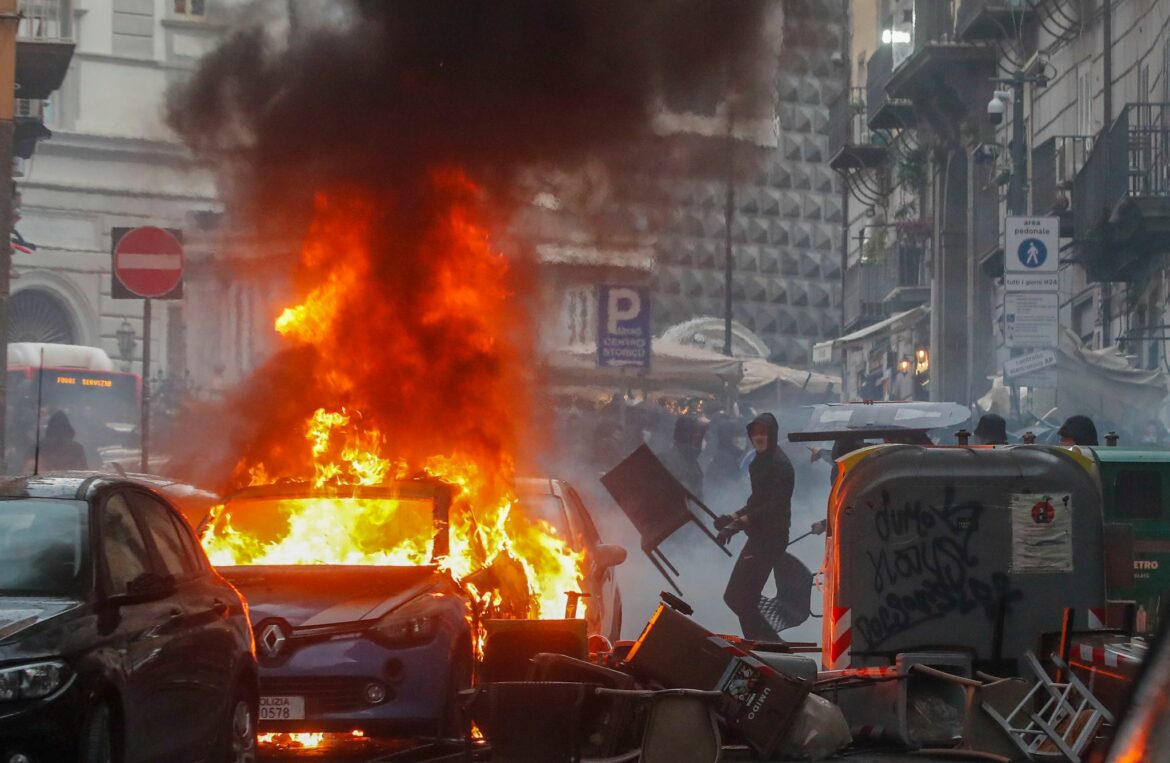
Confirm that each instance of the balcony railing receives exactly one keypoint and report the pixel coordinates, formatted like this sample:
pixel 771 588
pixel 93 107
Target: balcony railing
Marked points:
pixel 883 112
pixel 1129 161
pixel 1055 164
pixel 46 20
pixel 866 285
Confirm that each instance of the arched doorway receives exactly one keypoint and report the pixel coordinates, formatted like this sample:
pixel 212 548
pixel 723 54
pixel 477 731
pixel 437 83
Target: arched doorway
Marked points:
pixel 38 316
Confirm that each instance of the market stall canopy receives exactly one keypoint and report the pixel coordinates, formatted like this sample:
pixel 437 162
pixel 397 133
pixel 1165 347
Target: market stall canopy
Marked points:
pixel 1100 384
pixel 873 420
pixel 674 365
pixel 826 352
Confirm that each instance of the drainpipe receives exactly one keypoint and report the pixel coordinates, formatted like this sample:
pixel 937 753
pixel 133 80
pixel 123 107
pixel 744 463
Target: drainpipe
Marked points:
pixel 1107 108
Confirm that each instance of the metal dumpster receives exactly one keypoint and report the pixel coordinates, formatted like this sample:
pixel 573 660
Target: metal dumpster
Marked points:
pixel 979 549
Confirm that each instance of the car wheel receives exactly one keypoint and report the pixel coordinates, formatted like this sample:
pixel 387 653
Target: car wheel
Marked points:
pixel 237 740
pixel 455 722
pixel 96 736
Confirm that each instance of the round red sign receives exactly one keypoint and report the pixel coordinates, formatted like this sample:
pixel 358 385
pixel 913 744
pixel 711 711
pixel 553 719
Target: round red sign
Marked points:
pixel 149 261
pixel 1043 512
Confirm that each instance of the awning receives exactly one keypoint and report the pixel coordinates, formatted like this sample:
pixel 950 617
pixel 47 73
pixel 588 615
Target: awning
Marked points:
pixel 823 351
pixel 674 365
pixel 1098 383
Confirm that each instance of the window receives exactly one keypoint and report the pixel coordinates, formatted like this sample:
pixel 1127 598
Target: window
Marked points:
pixel 577 508
pixel 174 554
pixel 190 8
pixel 122 544
pixel 1138 494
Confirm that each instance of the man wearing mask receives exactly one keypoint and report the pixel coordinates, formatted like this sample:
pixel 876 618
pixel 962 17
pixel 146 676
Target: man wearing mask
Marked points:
pixel 765 518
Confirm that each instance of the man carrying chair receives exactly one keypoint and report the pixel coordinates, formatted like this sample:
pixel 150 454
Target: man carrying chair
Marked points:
pixel 765 518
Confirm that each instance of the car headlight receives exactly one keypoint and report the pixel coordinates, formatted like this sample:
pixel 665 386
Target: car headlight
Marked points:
pixel 415 622
pixel 32 681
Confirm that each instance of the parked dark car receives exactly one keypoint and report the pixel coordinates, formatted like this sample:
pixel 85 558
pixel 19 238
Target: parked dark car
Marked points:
pixel 556 502
pixel 118 641
pixel 382 648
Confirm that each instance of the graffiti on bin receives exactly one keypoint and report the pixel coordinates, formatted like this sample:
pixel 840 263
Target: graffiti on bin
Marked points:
pixel 935 574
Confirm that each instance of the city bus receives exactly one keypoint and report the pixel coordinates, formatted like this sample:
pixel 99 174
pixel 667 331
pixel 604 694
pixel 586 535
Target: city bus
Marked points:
pixel 103 405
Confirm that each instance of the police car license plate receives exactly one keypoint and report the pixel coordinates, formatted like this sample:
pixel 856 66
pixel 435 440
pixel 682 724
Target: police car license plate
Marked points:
pixel 282 708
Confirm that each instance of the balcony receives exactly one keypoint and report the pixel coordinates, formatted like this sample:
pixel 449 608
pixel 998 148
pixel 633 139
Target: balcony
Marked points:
pixel 979 20
pixel 882 111
pixel 866 284
pixel 852 145
pixel 906 264
pixel 44 47
pixel 894 282
pixel 1055 164
pixel 1121 196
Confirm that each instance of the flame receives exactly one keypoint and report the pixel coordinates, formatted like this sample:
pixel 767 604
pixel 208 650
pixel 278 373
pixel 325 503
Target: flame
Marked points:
pixel 304 741
pixel 415 373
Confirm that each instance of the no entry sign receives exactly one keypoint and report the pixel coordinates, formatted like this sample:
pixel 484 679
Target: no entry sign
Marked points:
pixel 148 263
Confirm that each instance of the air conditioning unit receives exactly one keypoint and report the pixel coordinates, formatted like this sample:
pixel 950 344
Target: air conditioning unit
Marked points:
pixel 29 109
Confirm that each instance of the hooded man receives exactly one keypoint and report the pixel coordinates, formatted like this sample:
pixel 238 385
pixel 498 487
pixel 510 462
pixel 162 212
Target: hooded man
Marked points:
pixel 1078 430
pixel 765 518
pixel 58 450
pixel 682 460
pixel 991 430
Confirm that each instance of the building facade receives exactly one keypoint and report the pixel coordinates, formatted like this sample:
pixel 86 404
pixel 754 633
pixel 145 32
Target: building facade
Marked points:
pixel 929 175
pixel 111 162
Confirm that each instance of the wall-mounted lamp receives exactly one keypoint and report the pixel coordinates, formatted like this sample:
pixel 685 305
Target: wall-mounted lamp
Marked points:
pixel 923 358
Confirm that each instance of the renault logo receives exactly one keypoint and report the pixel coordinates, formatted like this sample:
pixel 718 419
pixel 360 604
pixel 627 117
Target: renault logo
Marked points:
pixel 272 639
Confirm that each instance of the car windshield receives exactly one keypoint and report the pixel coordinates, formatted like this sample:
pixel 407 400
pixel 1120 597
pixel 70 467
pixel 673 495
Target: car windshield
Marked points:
pixel 365 530
pixel 42 547
pixel 547 507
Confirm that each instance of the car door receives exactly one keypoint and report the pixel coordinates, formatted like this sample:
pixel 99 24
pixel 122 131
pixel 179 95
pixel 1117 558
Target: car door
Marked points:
pixel 206 640
pixel 603 600
pixel 143 632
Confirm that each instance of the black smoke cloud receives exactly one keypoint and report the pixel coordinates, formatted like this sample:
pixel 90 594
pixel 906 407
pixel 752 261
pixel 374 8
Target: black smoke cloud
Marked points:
pixel 395 87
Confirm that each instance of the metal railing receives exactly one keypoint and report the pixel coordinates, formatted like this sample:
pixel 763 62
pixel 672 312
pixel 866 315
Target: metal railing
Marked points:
pixel 1129 160
pixel 1055 164
pixel 46 20
pixel 847 121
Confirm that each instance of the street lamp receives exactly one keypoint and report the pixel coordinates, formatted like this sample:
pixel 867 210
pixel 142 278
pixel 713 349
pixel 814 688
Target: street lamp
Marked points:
pixel 126 342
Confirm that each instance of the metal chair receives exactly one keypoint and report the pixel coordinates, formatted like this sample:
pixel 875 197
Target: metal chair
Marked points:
pixel 1066 723
pixel 680 727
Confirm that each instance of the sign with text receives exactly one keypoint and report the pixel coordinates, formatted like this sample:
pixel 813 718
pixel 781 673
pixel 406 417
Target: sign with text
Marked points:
pixel 1031 319
pixel 1033 361
pixel 1031 249
pixel 623 327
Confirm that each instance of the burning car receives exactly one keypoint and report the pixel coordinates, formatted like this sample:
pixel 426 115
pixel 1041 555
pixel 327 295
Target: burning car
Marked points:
pixel 556 502
pixel 373 636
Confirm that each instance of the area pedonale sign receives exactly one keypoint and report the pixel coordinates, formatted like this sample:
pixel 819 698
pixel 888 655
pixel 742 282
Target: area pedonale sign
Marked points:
pixel 147 263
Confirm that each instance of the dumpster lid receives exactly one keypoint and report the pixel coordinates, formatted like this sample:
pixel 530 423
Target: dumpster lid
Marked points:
pixel 832 421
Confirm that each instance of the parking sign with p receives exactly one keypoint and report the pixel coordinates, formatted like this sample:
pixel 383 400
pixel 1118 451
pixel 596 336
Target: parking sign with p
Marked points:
pixel 623 327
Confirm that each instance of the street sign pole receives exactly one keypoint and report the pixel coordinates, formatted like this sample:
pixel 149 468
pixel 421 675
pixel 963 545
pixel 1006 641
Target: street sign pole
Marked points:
pixel 147 264
pixel 144 466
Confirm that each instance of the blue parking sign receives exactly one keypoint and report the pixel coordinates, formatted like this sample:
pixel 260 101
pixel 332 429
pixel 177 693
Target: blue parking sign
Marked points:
pixel 623 327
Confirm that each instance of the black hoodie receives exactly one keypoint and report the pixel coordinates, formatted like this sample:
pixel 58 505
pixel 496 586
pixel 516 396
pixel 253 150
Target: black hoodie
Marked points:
pixel 769 508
